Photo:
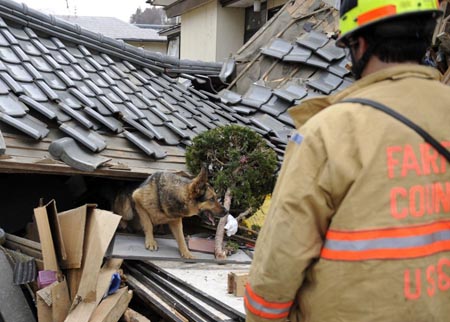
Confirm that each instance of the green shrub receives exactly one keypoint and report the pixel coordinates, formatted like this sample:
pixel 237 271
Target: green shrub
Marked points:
pixel 237 158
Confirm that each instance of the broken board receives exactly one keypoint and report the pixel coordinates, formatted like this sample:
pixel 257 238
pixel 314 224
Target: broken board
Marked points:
pixel 133 247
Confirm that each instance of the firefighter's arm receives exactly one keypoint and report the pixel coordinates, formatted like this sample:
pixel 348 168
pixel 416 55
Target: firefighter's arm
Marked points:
pixel 293 233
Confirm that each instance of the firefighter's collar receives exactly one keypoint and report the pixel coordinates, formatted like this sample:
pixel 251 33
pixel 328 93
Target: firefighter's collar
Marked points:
pixel 310 107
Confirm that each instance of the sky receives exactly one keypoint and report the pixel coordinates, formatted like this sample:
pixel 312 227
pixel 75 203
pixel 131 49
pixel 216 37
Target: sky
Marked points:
pixel 122 9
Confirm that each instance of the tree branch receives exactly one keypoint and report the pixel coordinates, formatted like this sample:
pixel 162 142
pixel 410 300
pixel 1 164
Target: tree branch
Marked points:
pixel 219 252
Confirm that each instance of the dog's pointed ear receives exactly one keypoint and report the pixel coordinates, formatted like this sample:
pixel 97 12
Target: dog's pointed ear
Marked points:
pixel 198 185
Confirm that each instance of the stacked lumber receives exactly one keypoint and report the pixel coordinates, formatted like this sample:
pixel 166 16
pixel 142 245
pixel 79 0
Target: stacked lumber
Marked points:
pixel 74 281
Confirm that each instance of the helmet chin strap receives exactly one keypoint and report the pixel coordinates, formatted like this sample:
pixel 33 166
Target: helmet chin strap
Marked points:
pixel 358 66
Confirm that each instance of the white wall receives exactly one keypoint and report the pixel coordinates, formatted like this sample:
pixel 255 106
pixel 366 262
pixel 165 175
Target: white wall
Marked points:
pixel 211 33
pixel 230 26
pixel 199 33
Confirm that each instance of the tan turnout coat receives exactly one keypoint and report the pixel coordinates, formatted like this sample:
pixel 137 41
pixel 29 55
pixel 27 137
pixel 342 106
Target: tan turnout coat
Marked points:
pixel 359 225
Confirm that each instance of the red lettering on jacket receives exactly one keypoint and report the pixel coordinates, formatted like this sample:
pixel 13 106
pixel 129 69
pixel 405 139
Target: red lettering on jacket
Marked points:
pixel 391 161
pixel 436 276
pixel 431 279
pixel 442 197
pixel 404 160
pixel 407 285
pixel 443 278
pixel 429 159
pixel 410 162
pixel 398 192
pixel 419 200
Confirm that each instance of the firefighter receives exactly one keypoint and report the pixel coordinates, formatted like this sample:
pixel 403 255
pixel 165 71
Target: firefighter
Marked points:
pixel 359 223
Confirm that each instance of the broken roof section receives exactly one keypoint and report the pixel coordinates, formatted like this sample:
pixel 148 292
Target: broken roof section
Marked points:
pixel 69 96
pixel 291 58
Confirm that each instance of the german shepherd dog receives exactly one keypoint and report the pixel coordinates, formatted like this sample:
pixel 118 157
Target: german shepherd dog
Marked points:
pixel 166 198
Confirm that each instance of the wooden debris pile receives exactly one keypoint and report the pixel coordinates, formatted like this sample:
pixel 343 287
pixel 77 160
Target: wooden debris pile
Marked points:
pixel 74 283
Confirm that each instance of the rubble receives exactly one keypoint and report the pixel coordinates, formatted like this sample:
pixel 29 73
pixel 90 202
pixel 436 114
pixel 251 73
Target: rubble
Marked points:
pixel 83 270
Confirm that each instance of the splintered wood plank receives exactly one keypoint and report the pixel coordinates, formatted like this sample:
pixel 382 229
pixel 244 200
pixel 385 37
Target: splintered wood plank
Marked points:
pixel 112 307
pixel 85 309
pixel 101 226
pixel 133 316
pixel 60 301
pixel 45 236
pixel 73 224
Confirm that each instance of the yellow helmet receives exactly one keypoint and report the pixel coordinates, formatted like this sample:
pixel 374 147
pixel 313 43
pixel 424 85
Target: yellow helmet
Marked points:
pixel 356 14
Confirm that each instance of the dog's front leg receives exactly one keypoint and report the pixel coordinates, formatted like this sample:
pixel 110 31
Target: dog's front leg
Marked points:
pixel 176 227
pixel 147 227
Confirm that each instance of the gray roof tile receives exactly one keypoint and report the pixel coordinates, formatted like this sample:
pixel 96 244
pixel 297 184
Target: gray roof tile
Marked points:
pixel 339 68
pixel 19 73
pixel 180 117
pixel 313 40
pixel 25 124
pixel 46 89
pixel 9 36
pixel 81 97
pixel 104 106
pixel 138 126
pixel 75 156
pixel 3 88
pixel 67 98
pixel 11 106
pixel 88 138
pixel 76 115
pixel 298 54
pixel 18 33
pixel 8 55
pixel 27 46
pixel 66 79
pixel 91 89
pixel 331 52
pixel 275 106
pixel 68 56
pixel 60 58
pixel 40 46
pixel 230 97
pixel 256 96
pixel 34 92
pixel 34 104
pixel 317 61
pixel 40 64
pixel 11 83
pixel 135 110
pixel 3 40
pixel 277 48
pixel 110 122
pixel 52 62
pixel 151 148
pixel 33 71
pixel 291 92
pixel 53 81
pixel 20 53
pixel 325 82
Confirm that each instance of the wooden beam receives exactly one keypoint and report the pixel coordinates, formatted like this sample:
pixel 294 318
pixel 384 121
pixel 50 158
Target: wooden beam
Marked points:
pixel 112 307
pixel 181 6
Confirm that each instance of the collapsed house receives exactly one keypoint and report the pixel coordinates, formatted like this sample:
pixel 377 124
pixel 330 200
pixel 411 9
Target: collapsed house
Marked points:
pixel 80 113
